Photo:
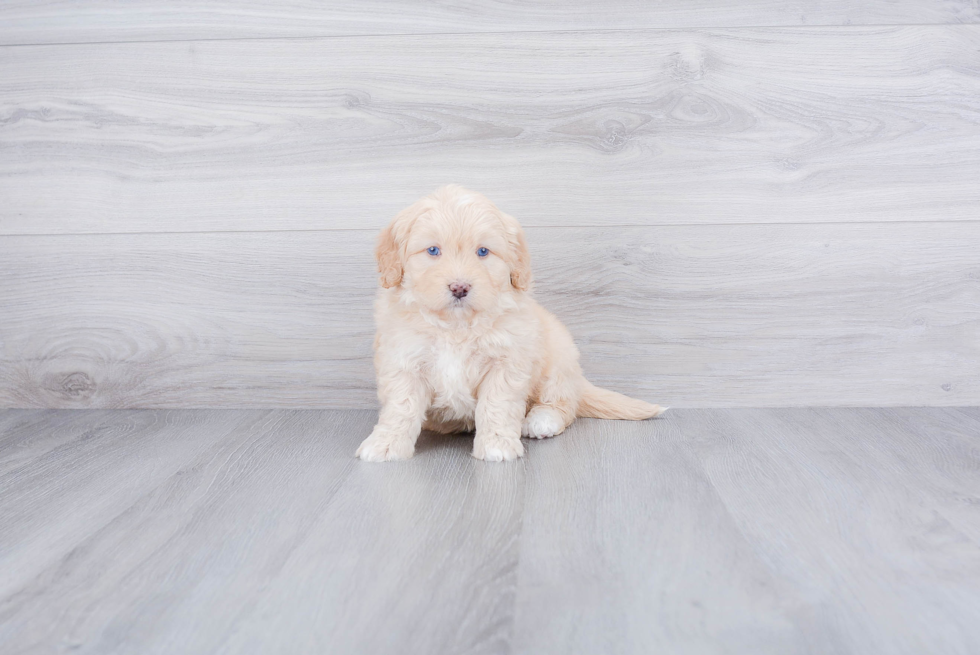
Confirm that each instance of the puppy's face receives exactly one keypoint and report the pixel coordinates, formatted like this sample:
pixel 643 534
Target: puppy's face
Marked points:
pixel 455 252
pixel 457 263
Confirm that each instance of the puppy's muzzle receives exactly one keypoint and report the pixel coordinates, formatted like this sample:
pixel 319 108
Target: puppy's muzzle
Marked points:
pixel 459 290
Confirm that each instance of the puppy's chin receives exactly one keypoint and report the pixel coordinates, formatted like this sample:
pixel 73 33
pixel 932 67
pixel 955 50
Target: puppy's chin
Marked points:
pixel 462 309
pixel 459 308
pixel 452 312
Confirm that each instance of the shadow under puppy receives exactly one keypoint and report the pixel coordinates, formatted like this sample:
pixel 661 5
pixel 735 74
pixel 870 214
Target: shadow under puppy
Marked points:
pixel 461 343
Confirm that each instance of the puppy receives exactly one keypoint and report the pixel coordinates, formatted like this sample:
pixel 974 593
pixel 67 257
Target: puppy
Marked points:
pixel 462 345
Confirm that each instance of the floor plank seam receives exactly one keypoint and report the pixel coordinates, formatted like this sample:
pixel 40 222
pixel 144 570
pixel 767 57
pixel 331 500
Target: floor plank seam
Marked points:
pixel 642 30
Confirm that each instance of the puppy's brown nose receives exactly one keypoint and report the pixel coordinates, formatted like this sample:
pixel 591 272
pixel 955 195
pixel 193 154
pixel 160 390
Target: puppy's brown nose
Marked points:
pixel 459 289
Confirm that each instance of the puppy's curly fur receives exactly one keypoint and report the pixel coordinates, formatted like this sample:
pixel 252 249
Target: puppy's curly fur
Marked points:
pixel 462 345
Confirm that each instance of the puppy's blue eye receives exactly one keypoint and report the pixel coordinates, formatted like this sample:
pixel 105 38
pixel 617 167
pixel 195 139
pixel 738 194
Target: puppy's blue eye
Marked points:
pixel 433 251
pixel 482 252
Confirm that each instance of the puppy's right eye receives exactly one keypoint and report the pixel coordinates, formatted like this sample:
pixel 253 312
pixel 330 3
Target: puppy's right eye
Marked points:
pixel 433 250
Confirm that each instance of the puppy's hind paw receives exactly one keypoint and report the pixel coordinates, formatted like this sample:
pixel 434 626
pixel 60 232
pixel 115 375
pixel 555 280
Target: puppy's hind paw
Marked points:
pixel 542 422
pixel 382 447
pixel 497 449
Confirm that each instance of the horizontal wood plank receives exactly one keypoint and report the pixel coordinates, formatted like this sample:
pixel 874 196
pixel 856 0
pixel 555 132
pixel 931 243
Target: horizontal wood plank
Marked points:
pixel 621 128
pixel 862 314
pixel 63 21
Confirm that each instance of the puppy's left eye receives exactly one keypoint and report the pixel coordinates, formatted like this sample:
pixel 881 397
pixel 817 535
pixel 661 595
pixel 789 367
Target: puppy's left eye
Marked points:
pixel 482 252
pixel 433 250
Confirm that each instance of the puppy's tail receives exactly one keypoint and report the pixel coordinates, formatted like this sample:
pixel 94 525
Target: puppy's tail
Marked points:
pixel 602 403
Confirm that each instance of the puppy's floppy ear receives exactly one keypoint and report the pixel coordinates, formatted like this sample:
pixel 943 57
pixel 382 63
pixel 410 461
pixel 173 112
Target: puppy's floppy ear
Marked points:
pixel 391 245
pixel 520 266
pixel 389 259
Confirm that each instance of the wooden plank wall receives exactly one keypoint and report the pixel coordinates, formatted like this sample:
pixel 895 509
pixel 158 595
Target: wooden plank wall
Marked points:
pixel 770 203
pixel 96 21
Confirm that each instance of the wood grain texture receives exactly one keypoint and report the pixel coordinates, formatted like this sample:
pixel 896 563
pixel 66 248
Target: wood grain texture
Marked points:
pixel 189 555
pixel 704 531
pixel 275 513
pixel 411 559
pixel 627 547
pixel 81 475
pixel 864 314
pixel 257 320
pixel 782 531
pixel 596 128
pixel 60 21
pixel 26 435
pixel 881 485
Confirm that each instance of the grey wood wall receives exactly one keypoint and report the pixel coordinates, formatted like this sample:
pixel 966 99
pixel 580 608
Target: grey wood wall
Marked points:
pixel 768 203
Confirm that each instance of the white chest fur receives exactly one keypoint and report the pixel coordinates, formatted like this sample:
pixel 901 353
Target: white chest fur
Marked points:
pixel 455 370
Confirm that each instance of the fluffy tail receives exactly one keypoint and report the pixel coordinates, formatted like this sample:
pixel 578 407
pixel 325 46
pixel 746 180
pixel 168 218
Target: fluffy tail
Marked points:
pixel 602 403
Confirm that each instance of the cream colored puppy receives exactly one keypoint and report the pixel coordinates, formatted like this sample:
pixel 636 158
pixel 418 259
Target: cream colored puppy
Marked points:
pixel 461 344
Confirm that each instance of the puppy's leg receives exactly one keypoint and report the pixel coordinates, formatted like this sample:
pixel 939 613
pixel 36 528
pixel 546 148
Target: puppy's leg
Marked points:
pixel 404 399
pixel 543 421
pixel 501 401
pixel 553 409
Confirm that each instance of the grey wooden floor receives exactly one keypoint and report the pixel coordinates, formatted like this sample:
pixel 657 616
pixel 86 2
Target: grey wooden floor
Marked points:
pixel 707 531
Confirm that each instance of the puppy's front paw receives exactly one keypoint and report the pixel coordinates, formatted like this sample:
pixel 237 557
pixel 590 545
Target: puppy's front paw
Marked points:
pixel 542 422
pixel 383 446
pixel 496 448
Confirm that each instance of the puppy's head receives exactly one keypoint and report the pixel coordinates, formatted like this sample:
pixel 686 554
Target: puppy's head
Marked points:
pixel 455 252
